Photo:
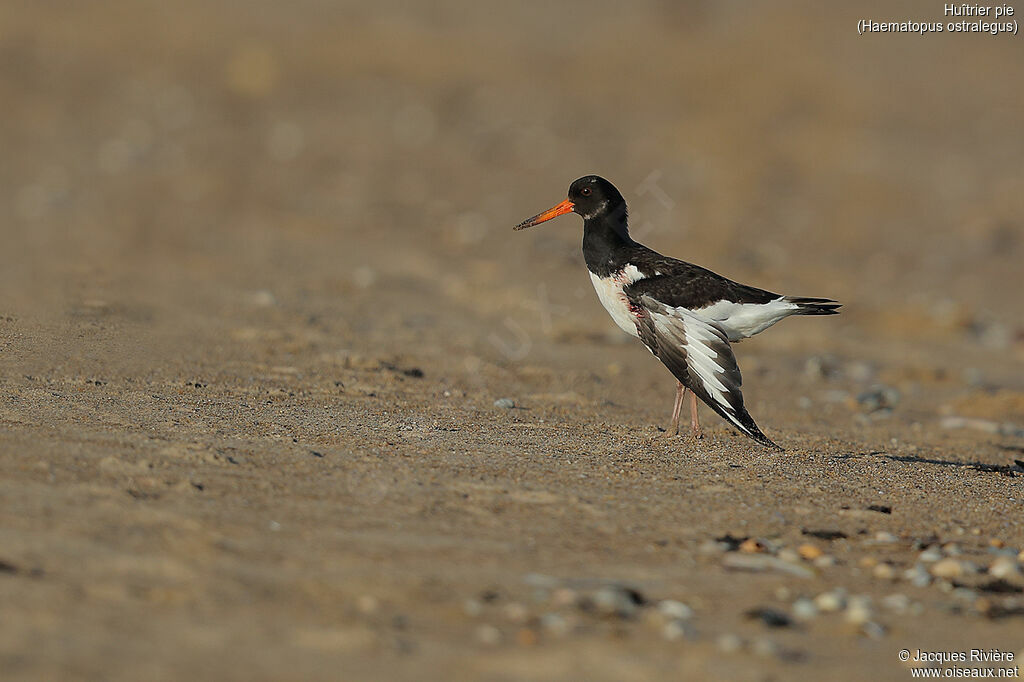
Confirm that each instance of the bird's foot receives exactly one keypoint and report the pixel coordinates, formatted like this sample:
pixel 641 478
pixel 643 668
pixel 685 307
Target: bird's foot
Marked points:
pixel 670 432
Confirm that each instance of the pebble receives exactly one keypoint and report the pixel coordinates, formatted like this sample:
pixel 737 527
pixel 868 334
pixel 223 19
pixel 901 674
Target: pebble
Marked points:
pixel 930 555
pixel 879 397
pixel 677 610
pixel 965 594
pixel 858 610
pixel 809 551
pixel 488 634
pixel 753 546
pixel 505 403
pixel 952 549
pixel 763 562
pixel 1006 568
pixel 804 609
pixel 884 571
pixel 674 630
pixel 564 596
pixel 615 601
pixel 789 555
pixel 526 637
pixel 764 647
pixel 472 608
pixel 729 643
pixel 952 568
pixel 825 561
pixel 885 537
pixel 831 601
pixel 873 630
pixel 367 604
pixel 918 576
pixel 773 618
pixel 515 612
pixel 897 603
pixel 554 623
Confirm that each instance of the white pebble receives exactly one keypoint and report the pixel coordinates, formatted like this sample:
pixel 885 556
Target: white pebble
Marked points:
pixel 898 603
pixel 729 643
pixel 1005 567
pixel 671 608
pixel 804 609
pixel 830 601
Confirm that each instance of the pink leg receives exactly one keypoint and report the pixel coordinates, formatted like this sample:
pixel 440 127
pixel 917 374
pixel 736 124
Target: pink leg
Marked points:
pixel 694 422
pixel 677 407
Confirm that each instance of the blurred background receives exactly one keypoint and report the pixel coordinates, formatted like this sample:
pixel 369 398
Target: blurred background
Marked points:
pixel 159 156
pixel 303 192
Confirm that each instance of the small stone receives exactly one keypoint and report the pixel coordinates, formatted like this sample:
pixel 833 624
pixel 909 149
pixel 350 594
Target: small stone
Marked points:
pixel 673 630
pixel 996 543
pixel 867 562
pixel 677 610
pixel 951 568
pixel 554 623
pixel 918 576
pixel 825 561
pixel 884 572
pixel 564 596
pixel 1006 568
pixel 883 537
pixel 952 549
pixel 873 630
pixel 763 562
pixel 505 403
pixel 753 546
pixel 930 555
pixel 729 643
pixel 526 637
pixel 616 601
pixel 515 612
pixel 897 603
pixel 831 601
pixel 488 634
pixel 773 618
pixel 858 610
pixel 367 604
pixel 878 398
pixel 964 594
pixel 809 551
pixel 764 647
pixel 789 555
pixel 804 609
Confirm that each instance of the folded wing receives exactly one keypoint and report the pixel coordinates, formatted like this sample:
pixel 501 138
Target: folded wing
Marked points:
pixel 697 351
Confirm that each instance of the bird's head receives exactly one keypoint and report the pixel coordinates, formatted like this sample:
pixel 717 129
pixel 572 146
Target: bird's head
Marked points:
pixel 590 196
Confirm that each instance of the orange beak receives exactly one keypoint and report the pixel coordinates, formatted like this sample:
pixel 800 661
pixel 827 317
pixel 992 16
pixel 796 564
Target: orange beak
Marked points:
pixel 562 208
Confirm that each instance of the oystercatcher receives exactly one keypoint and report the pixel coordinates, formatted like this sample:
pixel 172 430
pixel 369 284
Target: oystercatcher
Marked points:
pixel 686 315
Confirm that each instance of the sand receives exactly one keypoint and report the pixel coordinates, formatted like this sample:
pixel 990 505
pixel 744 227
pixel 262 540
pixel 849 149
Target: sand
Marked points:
pixel 259 295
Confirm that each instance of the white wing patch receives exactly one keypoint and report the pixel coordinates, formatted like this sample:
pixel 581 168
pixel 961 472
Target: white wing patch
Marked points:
pixel 609 292
pixel 743 320
pixel 698 340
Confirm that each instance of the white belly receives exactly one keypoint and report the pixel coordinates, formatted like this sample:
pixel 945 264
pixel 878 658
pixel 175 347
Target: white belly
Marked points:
pixel 609 292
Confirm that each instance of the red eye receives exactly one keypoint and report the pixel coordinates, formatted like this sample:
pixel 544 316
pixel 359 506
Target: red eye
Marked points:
pixel 585 191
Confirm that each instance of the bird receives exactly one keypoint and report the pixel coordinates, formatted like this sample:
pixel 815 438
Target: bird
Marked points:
pixel 686 315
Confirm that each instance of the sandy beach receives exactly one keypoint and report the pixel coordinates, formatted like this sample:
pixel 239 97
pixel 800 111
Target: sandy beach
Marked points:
pixel 284 397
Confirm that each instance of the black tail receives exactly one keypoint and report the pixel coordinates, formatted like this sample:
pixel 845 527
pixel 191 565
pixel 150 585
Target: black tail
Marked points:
pixel 815 306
